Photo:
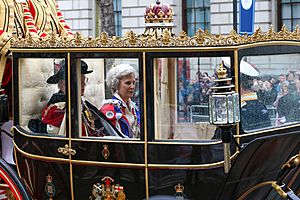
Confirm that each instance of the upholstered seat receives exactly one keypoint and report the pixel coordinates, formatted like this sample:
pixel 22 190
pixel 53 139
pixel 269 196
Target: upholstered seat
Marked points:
pixel 35 91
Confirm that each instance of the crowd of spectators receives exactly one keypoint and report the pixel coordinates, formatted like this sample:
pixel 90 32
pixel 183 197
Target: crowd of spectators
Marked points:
pixel 280 94
pixel 194 92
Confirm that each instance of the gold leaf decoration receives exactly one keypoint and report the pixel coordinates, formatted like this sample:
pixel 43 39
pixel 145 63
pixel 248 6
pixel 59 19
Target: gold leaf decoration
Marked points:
pixel 199 37
pixel 182 39
pixel 131 38
pixel 166 38
pixel 257 36
pixel 271 35
pixel 103 39
pixel 283 34
pixel 233 38
pixel 151 39
pixel 296 33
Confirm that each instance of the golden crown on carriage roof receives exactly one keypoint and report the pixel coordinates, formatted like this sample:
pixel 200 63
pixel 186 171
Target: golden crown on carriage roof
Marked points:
pixel 159 13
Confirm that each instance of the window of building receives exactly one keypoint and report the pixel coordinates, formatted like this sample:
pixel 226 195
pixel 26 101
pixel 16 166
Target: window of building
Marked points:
pixel 118 16
pixel 290 13
pixel 196 14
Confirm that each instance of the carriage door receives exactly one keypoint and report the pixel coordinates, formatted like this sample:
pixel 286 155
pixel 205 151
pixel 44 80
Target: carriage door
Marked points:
pixel 43 169
pixel 182 145
pixel 106 159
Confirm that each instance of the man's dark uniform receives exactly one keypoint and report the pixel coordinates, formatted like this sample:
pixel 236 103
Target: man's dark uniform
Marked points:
pixel 254 114
pixel 54 112
pixel 94 123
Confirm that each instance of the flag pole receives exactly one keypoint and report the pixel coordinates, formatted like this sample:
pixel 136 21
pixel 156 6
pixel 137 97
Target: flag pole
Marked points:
pixel 235 15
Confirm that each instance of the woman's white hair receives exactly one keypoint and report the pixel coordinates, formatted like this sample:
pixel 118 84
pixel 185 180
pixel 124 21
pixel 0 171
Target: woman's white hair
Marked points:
pixel 115 74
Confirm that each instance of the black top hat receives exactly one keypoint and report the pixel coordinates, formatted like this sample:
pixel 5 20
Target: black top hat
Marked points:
pixel 60 75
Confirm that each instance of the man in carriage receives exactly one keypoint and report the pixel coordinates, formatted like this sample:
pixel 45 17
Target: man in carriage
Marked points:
pixel 53 119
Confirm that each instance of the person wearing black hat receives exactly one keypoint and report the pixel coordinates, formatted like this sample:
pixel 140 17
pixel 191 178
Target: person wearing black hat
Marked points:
pixel 254 114
pixel 53 114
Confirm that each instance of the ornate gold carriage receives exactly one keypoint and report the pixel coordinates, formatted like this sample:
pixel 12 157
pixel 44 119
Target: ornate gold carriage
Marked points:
pixel 177 146
pixel 179 154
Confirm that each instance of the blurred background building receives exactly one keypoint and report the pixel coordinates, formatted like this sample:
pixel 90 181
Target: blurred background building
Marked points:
pixel 214 15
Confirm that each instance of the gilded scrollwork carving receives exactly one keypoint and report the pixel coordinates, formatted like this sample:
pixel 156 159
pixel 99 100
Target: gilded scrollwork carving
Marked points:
pixel 234 38
pixel 151 40
pixel 257 36
pixel 131 40
pixel 103 39
pixel 66 150
pixel 166 38
pixel 183 39
pixel 271 34
pixel 283 34
pixel 52 39
pixel 199 37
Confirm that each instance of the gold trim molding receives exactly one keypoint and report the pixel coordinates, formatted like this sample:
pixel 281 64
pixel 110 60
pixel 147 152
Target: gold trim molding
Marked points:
pixel 262 184
pixel 167 39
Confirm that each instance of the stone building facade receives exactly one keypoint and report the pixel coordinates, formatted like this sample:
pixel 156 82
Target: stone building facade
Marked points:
pixel 81 15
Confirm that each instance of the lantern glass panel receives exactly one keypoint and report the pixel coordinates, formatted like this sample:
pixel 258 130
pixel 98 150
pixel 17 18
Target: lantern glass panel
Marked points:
pixel 230 109
pixel 211 109
pixel 236 107
pixel 219 109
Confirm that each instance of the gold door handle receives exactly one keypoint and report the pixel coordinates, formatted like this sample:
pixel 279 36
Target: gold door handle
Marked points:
pixel 66 150
pixel 279 190
pixel 292 162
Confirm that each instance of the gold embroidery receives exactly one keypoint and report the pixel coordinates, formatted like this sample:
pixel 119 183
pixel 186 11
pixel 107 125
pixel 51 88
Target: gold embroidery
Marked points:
pixel 248 97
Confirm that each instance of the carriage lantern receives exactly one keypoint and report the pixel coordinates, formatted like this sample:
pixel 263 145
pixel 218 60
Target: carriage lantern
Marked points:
pixel 224 110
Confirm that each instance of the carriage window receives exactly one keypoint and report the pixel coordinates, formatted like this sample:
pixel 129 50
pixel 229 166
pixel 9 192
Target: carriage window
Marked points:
pixel 110 98
pixel 42 100
pixel 181 97
pixel 271 98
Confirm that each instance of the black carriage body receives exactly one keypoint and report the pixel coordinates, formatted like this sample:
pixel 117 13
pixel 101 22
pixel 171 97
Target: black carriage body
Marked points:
pixel 69 167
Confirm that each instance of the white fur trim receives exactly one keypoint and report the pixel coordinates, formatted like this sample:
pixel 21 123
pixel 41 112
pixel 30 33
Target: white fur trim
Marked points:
pixel 118 116
pixel 52 129
pixel 110 101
